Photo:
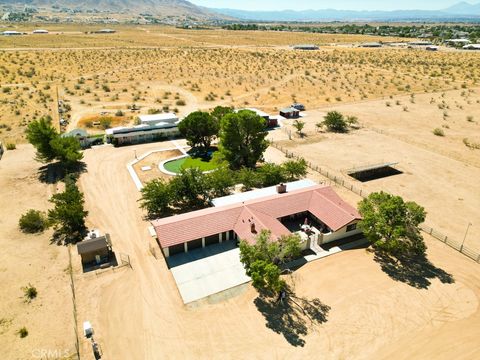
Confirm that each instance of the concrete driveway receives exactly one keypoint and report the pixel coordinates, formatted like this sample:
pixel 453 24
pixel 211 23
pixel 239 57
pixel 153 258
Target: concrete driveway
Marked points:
pixel 203 272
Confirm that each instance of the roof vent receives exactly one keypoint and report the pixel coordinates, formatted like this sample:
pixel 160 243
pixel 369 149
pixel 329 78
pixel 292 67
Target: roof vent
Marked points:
pixel 282 188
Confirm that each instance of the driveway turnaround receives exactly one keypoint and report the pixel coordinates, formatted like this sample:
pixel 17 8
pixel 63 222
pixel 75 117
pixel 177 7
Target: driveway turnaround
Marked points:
pixel 203 272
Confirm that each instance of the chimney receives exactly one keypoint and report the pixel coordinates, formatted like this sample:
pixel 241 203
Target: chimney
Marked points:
pixel 282 188
pixel 252 228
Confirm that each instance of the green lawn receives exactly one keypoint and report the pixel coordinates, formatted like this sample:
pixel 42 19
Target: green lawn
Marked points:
pixel 188 162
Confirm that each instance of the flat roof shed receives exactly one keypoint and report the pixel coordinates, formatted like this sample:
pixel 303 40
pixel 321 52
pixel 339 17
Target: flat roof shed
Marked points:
pixel 90 249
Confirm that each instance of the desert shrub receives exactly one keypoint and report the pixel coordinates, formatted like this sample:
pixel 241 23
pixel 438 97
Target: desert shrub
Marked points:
pixel 438 132
pixel 470 118
pixel 33 221
pixel 30 292
pixel 119 113
pixel 154 111
pixel 23 332
pixel 180 103
pixel 334 121
pixel 105 123
pixel 11 146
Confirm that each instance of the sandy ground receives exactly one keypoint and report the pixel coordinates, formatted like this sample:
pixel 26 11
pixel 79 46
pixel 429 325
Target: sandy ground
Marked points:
pixel 138 314
pixel 31 259
pixel 439 173
pixel 154 160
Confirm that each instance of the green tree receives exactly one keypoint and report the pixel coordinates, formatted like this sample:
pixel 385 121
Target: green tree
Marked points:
pixel 262 260
pixel 334 121
pixel 33 221
pixel 299 125
pixel 271 174
pixel 68 215
pixel 249 178
pixel 67 150
pixel 219 112
pixel 40 133
pixel 156 198
pixel 392 225
pixel 242 139
pixel 189 189
pixel 295 169
pixel 220 182
pixel 199 128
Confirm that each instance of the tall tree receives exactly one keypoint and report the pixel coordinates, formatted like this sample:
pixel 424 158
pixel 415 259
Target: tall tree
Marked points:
pixel 262 260
pixel 68 215
pixel 199 128
pixel 295 169
pixel 189 189
pixel 67 150
pixel 392 225
pixel 220 182
pixel 40 133
pixel 219 112
pixel 156 198
pixel 242 139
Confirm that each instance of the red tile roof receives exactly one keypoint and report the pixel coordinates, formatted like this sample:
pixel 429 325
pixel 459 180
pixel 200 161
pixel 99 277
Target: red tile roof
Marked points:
pixel 319 200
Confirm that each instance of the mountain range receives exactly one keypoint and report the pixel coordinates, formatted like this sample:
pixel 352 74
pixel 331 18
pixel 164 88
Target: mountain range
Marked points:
pixel 134 7
pixel 462 10
pixel 164 8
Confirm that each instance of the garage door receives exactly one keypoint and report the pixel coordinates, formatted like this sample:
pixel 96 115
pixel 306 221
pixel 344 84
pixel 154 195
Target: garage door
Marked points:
pixel 176 249
pixel 213 239
pixel 194 244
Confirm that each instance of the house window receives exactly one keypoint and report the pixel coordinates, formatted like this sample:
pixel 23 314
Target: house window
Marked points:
pixel 351 227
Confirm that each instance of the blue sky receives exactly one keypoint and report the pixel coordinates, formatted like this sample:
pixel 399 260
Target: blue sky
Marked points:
pixel 328 4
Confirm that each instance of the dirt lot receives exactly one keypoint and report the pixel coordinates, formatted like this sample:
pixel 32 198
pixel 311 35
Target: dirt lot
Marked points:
pixel 153 160
pixel 138 313
pixel 31 259
pixel 440 173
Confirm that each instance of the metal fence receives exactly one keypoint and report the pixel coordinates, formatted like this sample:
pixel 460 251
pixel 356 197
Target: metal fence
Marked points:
pixel 340 180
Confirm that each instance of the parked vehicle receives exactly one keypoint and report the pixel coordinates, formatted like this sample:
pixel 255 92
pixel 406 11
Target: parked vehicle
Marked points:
pixel 299 107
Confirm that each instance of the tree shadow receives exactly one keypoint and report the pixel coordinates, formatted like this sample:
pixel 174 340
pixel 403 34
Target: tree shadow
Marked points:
pixel 415 271
pixel 292 317
pixel 59 238
pixel 55 172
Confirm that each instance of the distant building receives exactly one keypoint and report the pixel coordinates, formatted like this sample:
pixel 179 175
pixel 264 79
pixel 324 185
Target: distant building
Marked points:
pixel 457 42
pixel 40 31
pixel 271 121
pixel 472 47
pixel 420 43
pixel 431 48
pixel 145 132
pixel 290 113
pixel 371 45
pixel 167 118
pixel 105 31
pixel 82 136
pixel 11 33
pixel 305 47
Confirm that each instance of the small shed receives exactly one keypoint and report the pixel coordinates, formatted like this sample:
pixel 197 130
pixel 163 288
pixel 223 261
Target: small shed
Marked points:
pixel 81 135
pixel 95 249
pixel 290 113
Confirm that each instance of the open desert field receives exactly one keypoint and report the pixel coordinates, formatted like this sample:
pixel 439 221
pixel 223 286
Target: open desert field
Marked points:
pixel 31 259
pixel 216 67
pixel 439 172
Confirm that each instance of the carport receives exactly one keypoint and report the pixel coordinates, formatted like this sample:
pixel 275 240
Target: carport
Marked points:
pixel 207 271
